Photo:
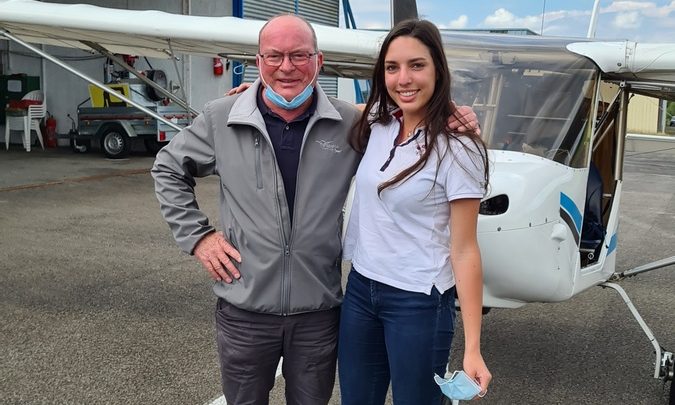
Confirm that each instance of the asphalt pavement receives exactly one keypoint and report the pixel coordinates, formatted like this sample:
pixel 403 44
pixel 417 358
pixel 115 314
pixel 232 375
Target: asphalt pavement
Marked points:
pixel 98 305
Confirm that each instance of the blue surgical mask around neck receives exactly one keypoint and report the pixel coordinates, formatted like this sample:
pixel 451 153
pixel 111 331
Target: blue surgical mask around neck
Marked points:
pixel 278 100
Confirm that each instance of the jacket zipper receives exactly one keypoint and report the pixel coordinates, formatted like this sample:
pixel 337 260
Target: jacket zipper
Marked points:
pixel 285 291
pixel 258 163
pixel 286 250
pixel 285 276
pixel 285 304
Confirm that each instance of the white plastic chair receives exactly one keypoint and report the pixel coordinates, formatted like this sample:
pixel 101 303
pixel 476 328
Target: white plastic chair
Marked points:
pixel 28 122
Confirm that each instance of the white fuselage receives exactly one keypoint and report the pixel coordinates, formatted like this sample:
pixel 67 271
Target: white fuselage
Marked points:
pixel 530 253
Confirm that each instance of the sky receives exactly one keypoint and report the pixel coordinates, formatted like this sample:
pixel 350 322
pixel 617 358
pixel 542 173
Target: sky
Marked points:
pixel 642 21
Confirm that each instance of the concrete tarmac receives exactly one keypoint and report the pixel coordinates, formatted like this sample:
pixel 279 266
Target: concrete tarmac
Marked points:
pixel 97 304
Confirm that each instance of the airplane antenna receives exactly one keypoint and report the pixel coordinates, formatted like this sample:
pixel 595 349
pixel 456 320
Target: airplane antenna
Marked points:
pixel 543 12
pixel 594 20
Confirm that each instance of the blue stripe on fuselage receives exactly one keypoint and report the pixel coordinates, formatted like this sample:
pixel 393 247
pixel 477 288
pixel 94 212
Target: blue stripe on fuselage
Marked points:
pixel 612 244
pixel 568 205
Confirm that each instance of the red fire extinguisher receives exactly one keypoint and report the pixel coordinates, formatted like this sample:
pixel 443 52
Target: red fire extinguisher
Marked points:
pixel 217 67
pixel 50 132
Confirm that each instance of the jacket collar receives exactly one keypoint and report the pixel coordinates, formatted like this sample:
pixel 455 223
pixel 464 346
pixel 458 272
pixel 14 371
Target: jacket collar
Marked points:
pixel 245 108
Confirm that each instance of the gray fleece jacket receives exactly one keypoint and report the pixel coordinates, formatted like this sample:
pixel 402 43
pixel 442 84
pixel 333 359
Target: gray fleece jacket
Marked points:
pixel 286 268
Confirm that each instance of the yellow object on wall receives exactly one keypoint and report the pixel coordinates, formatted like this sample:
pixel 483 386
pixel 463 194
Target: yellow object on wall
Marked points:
pixel 100 98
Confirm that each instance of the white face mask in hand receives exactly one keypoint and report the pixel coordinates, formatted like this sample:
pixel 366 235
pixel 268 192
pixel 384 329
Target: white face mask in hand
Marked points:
pixel 459 386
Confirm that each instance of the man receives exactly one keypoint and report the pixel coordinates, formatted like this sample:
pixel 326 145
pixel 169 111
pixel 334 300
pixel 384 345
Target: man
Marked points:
pixel 281 152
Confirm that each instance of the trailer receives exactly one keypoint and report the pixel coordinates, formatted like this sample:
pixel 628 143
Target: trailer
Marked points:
pixel 115 128
pixel 114 125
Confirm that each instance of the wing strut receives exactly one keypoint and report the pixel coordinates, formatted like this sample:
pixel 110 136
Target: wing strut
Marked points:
pixel 622 120
pixel 101 86
pixel 647 267
pixel 141 77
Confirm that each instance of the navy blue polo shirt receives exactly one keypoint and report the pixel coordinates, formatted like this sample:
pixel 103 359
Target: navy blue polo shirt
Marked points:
pixel 287 140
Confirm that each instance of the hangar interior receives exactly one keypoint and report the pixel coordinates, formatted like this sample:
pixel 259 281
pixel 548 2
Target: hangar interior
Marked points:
pixel 192 78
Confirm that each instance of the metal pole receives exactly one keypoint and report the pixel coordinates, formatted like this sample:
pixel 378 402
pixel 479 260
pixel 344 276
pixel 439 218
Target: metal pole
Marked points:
pixel 621 121
pixel 90 80
pixel 543 12
pixel 187 64
pixel 641 322
pixel 142 78
pixel 649 267
pixel 43 74
pixel 594 20
pixel 663 106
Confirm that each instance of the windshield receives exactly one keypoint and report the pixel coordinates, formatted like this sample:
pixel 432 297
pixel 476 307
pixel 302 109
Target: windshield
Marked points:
pixel 535 98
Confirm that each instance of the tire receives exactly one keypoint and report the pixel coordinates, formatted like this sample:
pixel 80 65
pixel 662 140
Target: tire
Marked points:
pixel 159 77
pixel 115 142
pixel 153 146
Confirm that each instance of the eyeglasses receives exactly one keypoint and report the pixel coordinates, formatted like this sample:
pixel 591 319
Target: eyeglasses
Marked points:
pixel 297 58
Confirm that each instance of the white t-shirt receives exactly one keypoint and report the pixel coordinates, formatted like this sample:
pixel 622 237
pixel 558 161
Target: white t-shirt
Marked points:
pixel 402 237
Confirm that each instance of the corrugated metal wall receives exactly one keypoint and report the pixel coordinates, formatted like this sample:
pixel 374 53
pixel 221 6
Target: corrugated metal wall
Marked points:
pixel 643 112
pixel 317 11
pixel 325 12
pixel 643 115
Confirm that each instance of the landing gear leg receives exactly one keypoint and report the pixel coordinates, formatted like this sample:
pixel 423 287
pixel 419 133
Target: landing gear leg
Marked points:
pixel 663 365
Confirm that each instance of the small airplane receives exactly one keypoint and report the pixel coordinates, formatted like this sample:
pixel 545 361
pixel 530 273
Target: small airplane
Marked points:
pixel 553 113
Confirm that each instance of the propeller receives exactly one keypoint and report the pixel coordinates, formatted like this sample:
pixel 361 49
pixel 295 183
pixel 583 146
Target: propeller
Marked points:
pixel 403 10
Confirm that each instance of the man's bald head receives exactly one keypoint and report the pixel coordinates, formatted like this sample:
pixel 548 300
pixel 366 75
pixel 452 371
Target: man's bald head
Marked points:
pixel 288 19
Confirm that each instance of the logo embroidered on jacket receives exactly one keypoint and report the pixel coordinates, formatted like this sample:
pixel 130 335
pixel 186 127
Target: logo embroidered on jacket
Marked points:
pixel 329 146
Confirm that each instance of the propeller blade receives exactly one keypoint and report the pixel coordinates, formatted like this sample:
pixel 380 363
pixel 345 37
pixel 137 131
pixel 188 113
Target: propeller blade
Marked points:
pixel 403 10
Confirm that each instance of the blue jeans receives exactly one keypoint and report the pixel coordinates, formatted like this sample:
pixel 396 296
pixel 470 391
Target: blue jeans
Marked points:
pixel 388 334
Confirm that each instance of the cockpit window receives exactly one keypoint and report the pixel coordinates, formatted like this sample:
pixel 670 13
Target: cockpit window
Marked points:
pixel 532 100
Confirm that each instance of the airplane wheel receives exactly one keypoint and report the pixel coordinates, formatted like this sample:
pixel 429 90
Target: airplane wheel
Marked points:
pixel 672 393
pixel 115 142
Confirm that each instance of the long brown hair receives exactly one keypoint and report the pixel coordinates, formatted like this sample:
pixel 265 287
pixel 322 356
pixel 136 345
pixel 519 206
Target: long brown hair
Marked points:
pixel 438 109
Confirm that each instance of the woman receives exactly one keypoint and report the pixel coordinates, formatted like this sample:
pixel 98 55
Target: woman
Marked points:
pixel 412 232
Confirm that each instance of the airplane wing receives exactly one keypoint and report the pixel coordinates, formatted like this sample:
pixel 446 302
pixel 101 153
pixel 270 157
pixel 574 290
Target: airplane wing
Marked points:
pixel 649 67
pixel 158 34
